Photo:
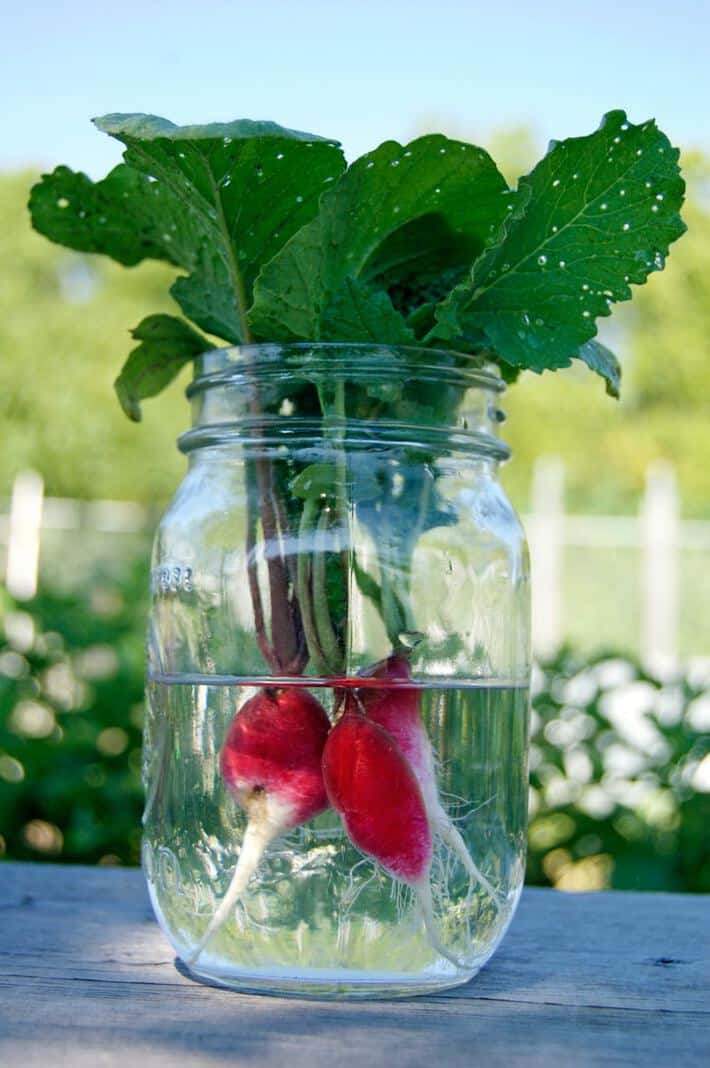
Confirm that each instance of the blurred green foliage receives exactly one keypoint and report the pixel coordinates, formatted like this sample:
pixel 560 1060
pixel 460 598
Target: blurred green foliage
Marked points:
pixel 64 334
pixel 620 766
pixel 71 710
pixel 620 777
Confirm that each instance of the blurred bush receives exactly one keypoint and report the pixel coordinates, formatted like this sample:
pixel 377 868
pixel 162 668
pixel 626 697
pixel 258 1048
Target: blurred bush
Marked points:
pixel 71 690
pixel 620 763
pixel 620 777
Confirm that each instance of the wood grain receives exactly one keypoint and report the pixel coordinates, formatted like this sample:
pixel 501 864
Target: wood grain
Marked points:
pixel 88 979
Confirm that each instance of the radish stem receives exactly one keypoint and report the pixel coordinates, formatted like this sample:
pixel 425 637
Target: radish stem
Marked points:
pixel 328 641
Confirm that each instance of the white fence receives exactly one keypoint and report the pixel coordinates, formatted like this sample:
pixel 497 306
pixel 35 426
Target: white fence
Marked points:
pixel 657 533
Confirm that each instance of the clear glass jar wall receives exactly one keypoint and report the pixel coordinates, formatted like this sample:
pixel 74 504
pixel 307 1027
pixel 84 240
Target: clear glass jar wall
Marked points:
pixel 335 752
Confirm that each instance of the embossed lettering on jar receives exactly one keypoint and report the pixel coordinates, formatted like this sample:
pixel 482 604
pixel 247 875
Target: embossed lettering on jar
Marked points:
pixel 340 589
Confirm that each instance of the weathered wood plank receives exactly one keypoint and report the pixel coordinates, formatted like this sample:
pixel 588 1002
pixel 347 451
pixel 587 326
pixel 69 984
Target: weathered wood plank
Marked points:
pixel 86 978
pixel 86 1024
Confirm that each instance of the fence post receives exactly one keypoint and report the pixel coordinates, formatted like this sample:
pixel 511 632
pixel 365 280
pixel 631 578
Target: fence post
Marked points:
pixel 546 544
pixel 660 542
pixel 24 535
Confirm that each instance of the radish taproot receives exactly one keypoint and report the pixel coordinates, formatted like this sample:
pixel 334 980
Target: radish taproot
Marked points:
pixel 373 787
pixel 396 709
pixel 272 764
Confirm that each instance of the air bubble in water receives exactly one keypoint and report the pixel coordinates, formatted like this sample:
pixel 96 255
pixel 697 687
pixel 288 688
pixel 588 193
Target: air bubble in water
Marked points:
pixel 622 192
pixel 617 140
pixel 299 199
pixel 575 176
pixel 555 229
pixel 227 140
pixel 654 207
pixel 604 206
pixel 648 183
pixel 556 182
pixel 62 202
pixel 563 264
pixel 585 287
pixel 542 260
pixel 626 226
pixel 539 322
pixel 279 155
pixel 659 196
pixel 587 314
pixel 624 126
pixel 395 163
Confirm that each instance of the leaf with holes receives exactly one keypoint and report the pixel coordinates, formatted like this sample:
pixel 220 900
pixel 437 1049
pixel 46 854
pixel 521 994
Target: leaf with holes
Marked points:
pixel 243 189
pixel 596 215
pixel 397 213
pixel 124 216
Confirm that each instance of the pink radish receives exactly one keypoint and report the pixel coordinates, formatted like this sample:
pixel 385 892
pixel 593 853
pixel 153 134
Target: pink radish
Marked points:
pixel 271 762
pixel 373 787
pixel 396 709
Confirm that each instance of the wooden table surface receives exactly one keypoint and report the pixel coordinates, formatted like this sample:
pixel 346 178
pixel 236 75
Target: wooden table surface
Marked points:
pixel 87 979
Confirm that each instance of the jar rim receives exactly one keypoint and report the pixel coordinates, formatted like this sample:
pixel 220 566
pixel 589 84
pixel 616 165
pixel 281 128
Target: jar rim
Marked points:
pixel 342 359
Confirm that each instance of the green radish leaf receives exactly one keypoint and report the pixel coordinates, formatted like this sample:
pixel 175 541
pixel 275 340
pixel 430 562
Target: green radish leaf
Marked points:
pixel 206 296
pixel 315 481
pixel 237 191
pixel 594 216
pixel 393 210
pixel 166 345
pixel 359 312
pixel 321 480
pixel 123 216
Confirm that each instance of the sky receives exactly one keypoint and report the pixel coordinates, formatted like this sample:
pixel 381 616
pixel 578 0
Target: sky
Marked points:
pixel 360 72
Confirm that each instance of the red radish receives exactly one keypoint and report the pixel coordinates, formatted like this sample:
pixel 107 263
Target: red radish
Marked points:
pixel 373 787
pixel 272 763
pixel 397 711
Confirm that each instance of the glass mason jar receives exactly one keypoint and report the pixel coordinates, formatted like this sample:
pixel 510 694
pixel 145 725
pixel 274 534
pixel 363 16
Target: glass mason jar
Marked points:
pixel 335 754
